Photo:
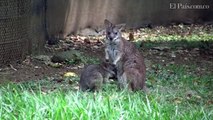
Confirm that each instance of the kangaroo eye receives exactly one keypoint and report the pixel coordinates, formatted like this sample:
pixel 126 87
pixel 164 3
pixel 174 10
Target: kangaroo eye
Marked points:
pixel 108 33
pixel 116 33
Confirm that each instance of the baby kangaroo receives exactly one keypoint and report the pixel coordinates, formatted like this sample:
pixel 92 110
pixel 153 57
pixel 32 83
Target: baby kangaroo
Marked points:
pixel 131 70
pixel 93 76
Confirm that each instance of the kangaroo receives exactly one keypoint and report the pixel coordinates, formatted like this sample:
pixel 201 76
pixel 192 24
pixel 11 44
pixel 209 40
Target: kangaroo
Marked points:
pixel 126 57
pixel 93 76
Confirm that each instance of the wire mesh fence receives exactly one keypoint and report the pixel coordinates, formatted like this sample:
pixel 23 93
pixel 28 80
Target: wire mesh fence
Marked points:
pixel 14 29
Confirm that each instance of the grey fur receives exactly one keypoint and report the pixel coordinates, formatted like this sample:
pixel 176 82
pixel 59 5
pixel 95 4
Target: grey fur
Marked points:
pixel 129 62
pixel 93 76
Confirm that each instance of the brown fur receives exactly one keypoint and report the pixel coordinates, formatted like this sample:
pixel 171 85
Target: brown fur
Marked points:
pixel 131 70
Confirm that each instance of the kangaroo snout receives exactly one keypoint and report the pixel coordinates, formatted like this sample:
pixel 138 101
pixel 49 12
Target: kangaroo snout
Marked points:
pixel 110 38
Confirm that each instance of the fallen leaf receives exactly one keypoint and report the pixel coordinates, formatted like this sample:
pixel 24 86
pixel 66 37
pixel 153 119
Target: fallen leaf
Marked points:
pixel 173 54
pixel 177 100
pixel 54 65
pixel 210 102
pixel 198 97
pixel 70 74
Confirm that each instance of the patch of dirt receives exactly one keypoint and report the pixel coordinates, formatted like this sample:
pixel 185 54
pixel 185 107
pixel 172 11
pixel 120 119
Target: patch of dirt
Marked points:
pixel 33 69
pixel 197 62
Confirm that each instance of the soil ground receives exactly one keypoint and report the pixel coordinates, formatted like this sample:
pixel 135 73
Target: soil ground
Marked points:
pixel 159 53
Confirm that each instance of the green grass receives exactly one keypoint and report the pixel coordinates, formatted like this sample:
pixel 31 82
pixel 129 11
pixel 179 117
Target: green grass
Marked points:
pixel 178 33
pixel 193 37
pixel 174 94
pixel 174 45
pixel 199 38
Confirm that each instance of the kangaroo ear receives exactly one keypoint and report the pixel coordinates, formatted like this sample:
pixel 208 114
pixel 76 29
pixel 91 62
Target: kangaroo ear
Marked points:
pixel 121 26
pixel 107 23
